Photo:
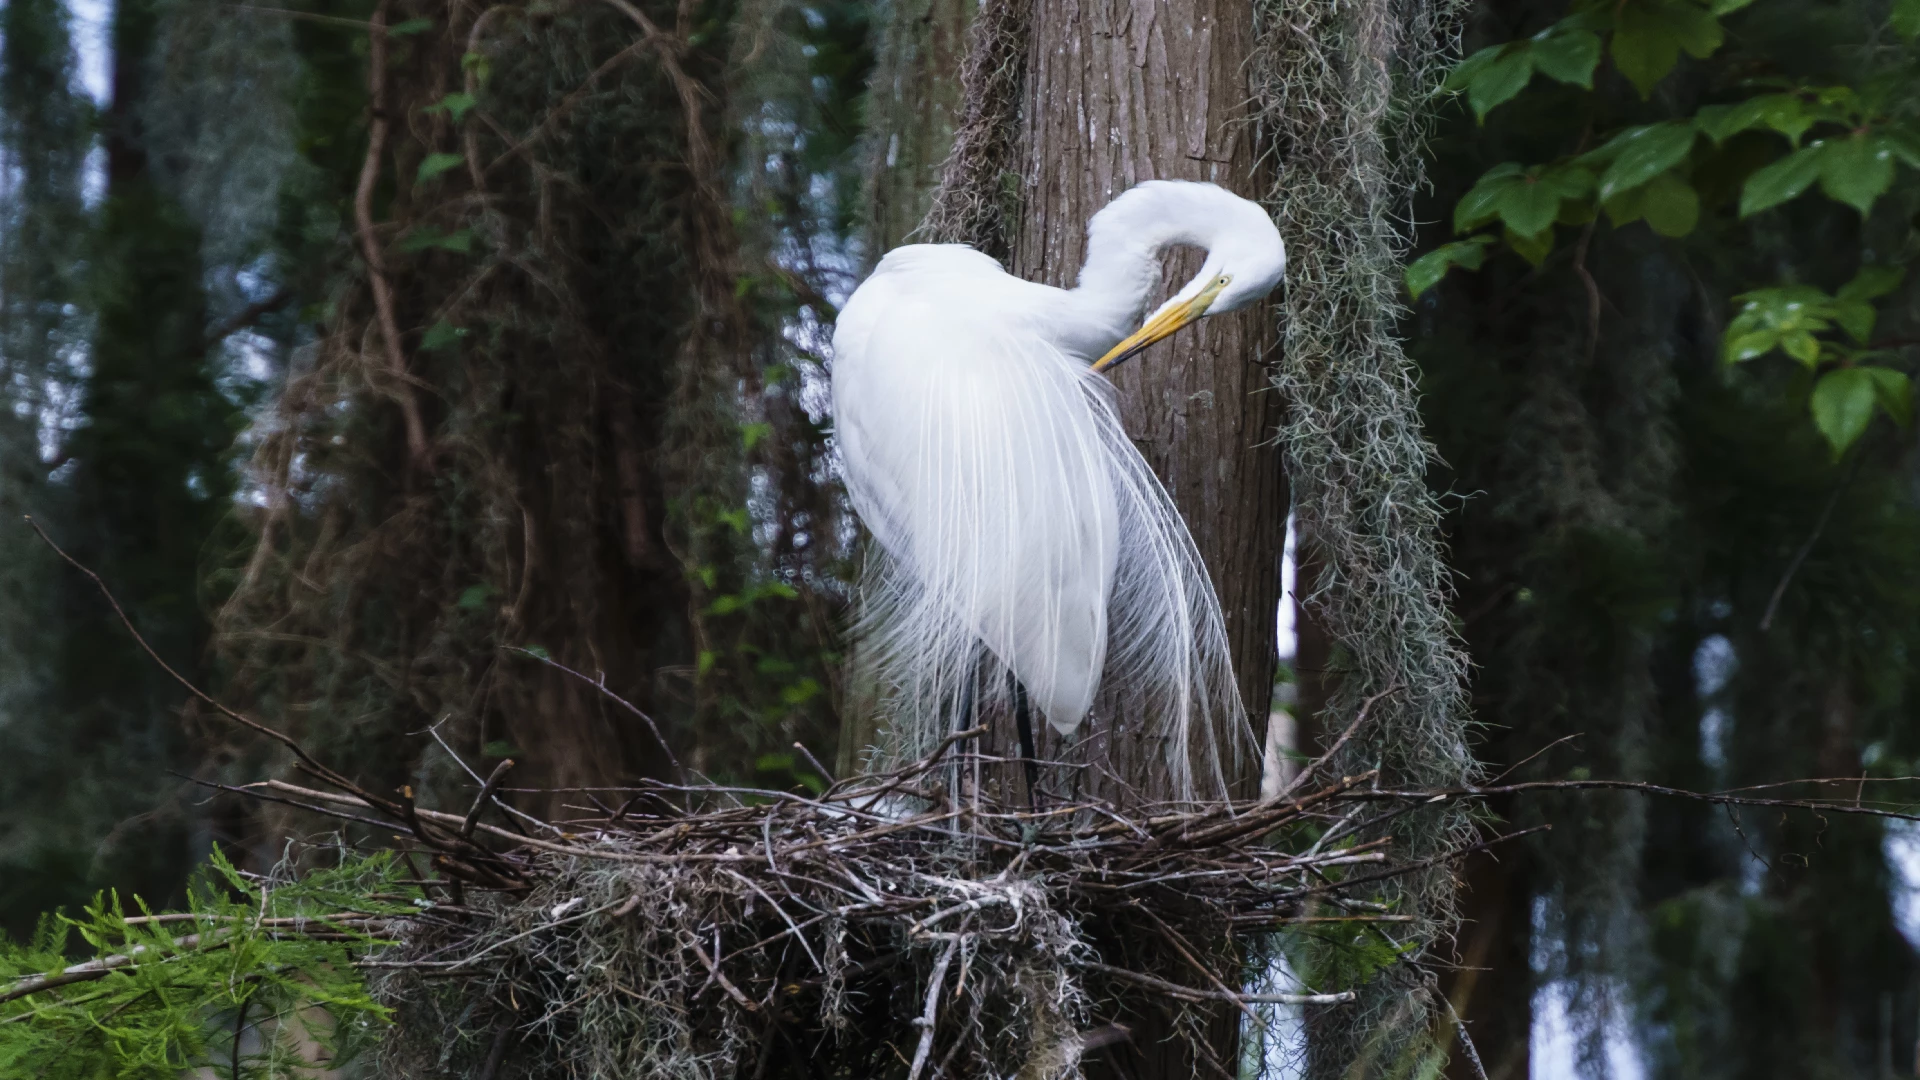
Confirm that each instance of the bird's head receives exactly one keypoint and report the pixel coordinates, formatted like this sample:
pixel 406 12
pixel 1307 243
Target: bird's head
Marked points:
pixel 1245 256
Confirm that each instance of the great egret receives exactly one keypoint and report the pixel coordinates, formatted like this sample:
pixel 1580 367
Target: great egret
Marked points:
pixel 1019 528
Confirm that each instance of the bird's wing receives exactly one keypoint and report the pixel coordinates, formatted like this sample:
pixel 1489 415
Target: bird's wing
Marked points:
pixel 973 452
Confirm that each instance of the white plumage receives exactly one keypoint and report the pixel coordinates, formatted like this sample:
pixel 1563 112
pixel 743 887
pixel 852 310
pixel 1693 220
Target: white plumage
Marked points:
pixel 1019 529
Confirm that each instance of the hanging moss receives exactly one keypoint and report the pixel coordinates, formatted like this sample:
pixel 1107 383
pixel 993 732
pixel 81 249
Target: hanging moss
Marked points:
pixel 1340 92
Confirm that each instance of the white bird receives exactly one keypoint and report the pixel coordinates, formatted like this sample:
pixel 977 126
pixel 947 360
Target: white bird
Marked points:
pixel 1019 529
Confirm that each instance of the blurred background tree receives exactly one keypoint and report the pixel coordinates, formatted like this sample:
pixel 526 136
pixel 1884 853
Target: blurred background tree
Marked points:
pixel 384 356
pixel 1697 573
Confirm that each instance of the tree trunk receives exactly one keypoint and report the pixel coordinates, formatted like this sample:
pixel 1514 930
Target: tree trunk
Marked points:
pixel 1115 94
pixel 1064 108
pixel 1128 93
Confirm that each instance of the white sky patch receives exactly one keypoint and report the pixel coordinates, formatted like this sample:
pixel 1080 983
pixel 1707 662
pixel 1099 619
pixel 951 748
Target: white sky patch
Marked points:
pixel 92 20
pixel 1902 846
pixel 1280 1046
pixel 1713 666
pixel 1554 1045
pixel 1287 638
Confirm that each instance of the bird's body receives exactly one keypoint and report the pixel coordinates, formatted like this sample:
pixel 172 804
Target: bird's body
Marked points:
pixel 1018 526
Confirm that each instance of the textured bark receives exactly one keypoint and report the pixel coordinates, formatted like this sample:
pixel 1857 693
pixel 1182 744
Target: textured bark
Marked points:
pixel 1118 93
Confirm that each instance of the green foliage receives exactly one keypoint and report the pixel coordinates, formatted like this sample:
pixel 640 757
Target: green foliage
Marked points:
pixel 1791 318
pixel 1667 558
pixel 255 978
pixel 1852 142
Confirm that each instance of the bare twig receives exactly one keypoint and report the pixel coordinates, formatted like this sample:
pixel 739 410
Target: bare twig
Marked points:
pixel 1800 556
pixel 1188 993
pixel 480 801
pixel 601 685
pixel 925 1023
pixel 1359 718
pixel 247 722
pixel 370 241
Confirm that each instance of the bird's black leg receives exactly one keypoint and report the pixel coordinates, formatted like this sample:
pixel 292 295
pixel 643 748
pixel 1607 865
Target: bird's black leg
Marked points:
pixel 962 720
pixel 1023 723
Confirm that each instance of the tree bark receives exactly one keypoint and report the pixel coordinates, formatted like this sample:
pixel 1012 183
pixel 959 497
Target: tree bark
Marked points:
pixel 1117 93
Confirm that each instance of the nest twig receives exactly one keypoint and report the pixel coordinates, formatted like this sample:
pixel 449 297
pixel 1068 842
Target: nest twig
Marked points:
pixel 747 919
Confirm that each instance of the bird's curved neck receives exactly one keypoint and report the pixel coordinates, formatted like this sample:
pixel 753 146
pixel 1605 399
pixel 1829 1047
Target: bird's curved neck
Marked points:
pixel 1119 277
pixel 1125 242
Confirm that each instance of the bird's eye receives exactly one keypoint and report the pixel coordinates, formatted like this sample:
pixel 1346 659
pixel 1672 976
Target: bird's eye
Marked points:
pixel 1223 279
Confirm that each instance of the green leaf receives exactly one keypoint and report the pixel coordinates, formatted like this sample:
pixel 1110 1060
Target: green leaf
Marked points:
pixel 1481 205
pixel 1642 51
pixel 478 65
pixel 1842 405
pixel 435 164
pixel 1783 180
pixel 751 434
pixel 1696 28
pixel 1784 113
pixel 1802 346
pixel 1650 34
pixel 475 597
pixel 1534 248
pixel 1894 392
pixel 1499 81
pixel 1463 73
pixel 801 692
pixel 1856 170
pixel 1567 56
pixel 1727 7
pixel 1904 146
pixel 1670 205
pixel 1529 207
pixel 1749 345
pixel 455 105
pixel 1872 282
pixel 1856 317
pixel 1906 18
pixel 441 335
pixel 1640 154
pixel 410 27
pixel 1426 271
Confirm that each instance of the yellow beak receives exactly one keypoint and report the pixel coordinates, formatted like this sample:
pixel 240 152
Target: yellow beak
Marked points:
pixel 1163 325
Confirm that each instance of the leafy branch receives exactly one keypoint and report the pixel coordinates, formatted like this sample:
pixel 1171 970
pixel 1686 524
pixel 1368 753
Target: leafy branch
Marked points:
pixel 1851 143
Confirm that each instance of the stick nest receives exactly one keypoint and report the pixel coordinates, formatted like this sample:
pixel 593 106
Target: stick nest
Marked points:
pixel 904 924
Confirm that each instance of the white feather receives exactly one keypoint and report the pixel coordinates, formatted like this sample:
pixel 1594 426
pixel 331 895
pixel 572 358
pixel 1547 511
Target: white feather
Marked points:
pixel 1019 529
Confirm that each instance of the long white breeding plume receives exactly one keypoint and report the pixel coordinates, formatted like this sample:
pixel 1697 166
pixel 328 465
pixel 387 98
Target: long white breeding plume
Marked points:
pixel 1019 529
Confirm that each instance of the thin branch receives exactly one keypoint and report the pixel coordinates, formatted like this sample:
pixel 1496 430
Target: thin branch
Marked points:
pixel 1359 718
pixel 370 242
pixel 601 685
pixel 1188 993
pixel 559 112
pixel 925 1023
pixel 247 722
pixel 250 315
pixel 1466 1042
pixel 480 801
pixel 1819 527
